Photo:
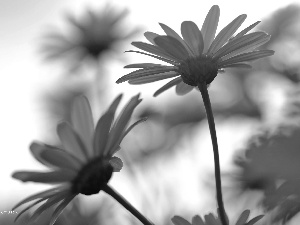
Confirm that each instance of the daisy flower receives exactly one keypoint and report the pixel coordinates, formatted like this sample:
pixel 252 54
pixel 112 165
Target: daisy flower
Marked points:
pixel 95 33
pixel 85 164
pixel 210 219
pixel 198 55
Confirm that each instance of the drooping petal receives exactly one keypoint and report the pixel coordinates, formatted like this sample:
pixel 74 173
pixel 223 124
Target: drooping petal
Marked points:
pixel 250 56
pixel 193 37
pixel 104 125
pixel 143 65
pixel 71 140
pixel 172 46
pixel 121 122
pixel 156 57
pixel 241 43
pixel 168 85
pixel 55 157
pixel 60 208
pixel 254 220
pixel 209 26
pixel 146 72
pixel 183 88
pixel 82 121
pixel 150 36
pixel 243 217
pixel 197 220
pixel 156 50
pixel 177 220
pixel 116 163
pixel 171 33
pixel 48 204
pixel 58 176
pixel 28 207
pixel 246 30
pixel 153 78
pixel 226 33
pixel 43 194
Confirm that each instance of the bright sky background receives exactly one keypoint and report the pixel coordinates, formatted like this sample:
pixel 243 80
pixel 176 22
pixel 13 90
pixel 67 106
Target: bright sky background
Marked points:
pixel 25 76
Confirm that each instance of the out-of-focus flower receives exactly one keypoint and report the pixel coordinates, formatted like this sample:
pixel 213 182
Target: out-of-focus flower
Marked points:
pixel 210 219
pixel 199 55
pixel 271 165
pixel 92 35
pixel 86 162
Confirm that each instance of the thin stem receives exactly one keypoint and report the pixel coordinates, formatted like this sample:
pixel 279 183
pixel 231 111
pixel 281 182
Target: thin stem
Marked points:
pixel 211 123
pixel 109 190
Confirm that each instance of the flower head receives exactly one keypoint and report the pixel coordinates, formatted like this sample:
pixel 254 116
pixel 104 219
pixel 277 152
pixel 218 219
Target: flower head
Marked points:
pixel 210 219
pixel 86 163
pixel 92 35
pixel 198 55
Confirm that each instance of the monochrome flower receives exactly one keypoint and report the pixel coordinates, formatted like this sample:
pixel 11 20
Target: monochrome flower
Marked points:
pixel 210 219
pixel 198 55
pixel 85 164
pixel 96 32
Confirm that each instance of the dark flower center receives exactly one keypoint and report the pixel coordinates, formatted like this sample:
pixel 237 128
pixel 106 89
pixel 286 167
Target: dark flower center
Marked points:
pixel 198 69
pixel 92 177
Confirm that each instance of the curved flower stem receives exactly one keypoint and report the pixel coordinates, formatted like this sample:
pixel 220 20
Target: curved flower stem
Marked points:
pixel 211 123
pixel 109 190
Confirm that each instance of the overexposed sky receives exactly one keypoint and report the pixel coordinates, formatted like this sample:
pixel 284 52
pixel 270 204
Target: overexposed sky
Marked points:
pixel 24 76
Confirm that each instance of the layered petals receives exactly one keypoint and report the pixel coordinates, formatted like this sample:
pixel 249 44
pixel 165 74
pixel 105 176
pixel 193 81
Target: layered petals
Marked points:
pixel 198 55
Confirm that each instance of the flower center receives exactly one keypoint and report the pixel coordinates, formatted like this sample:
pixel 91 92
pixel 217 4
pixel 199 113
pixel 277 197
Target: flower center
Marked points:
pixel 92 177
pixel 198 69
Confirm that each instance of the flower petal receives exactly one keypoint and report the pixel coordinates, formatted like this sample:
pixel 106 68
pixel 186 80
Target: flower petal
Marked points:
pixel 243 217
pixel 171 33
pixel 117 130
pixel 248 47
pixel 57 176
pixel 150 36
pixel 192 36
pixel 168 85
pixel 153 78
pixel 48 204
pixel 210 219
pixel 71 140
pixel 127 131
pixel 183 88
pixel 146 72
pixel 104 125
pixel 116 163
pixel 172 46
pixel 246 30
pixel 254 220
pixel 177 220
pixel 82 121
pixel 241 44
pixel 54 157
pixel 44 194
pixel 153 50
pixel 209 26
pixel 28 207
pixel 226 33
pixel 238 65
pixel 143 65
pixel 250 56
pixel 197 220
pixel 157 57
pixel 60 208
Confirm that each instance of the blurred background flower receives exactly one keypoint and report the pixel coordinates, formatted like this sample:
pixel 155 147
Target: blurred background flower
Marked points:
pixel 167 160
